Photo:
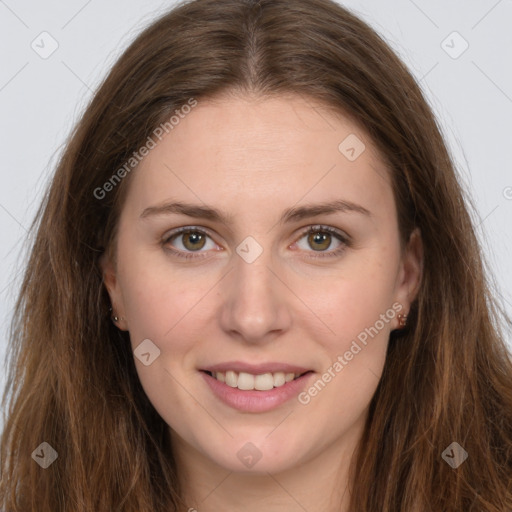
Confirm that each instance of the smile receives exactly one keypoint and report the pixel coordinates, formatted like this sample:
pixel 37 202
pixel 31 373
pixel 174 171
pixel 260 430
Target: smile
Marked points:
pixel 247 381
pixel 255 392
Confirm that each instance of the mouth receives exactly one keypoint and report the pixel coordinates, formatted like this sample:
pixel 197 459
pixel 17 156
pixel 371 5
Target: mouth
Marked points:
pixel 256 392
pixel 252 387
pixel 245 381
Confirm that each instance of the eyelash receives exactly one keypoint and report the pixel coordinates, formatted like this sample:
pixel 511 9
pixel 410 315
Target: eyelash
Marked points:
pixel 312 229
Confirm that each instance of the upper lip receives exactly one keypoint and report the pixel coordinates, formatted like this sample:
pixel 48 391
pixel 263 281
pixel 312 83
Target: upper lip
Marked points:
pixel 255 369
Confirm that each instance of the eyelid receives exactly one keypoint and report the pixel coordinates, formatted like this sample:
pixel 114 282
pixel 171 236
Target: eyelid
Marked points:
pixel 329 229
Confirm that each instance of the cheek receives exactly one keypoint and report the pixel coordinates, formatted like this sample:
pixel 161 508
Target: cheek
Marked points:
pixel 358 309
pixel 156 297
pixel 159 307
pixel 356 303
pixel 361 319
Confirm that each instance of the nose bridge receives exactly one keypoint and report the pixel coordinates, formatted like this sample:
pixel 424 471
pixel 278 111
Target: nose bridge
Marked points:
pixel 254 305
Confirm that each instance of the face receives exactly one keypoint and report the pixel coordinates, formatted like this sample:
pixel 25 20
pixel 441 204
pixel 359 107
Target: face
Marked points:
pixel 265 284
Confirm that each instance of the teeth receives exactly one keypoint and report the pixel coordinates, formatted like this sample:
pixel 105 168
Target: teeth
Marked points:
pixel 262 382
pixel 231 379
pixel 247 382
pixel 279 379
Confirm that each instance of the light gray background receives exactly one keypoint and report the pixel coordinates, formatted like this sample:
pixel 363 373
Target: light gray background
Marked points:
pixel 40 99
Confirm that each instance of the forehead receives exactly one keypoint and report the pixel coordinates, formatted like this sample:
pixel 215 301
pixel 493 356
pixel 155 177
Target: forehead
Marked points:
pixel 254 153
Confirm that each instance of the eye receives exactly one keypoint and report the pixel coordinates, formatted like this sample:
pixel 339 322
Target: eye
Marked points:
pixel 193 240
pixel 321 237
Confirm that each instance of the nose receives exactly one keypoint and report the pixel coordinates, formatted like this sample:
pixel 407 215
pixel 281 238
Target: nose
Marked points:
pixel 255 308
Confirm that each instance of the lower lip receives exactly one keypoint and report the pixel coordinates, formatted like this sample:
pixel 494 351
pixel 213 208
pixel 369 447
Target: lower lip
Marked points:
pixel 253 400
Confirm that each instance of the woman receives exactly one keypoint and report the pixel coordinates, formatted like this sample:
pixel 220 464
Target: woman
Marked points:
pixel 255 284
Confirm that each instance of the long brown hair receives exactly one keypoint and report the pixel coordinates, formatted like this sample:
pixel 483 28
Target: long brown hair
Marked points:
pixel 72 379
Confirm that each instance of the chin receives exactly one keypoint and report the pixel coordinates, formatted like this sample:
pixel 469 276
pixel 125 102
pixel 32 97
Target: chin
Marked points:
pixel 258 456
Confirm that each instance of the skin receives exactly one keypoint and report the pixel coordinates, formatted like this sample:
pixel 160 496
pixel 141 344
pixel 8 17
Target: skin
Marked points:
pixel 253 158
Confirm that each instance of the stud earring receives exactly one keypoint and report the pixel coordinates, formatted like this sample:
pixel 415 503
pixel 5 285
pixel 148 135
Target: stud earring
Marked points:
pixel 402 320
pixel 114 318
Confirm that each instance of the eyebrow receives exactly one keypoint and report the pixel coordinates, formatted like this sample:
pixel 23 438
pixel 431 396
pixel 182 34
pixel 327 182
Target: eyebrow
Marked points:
pixel 289 215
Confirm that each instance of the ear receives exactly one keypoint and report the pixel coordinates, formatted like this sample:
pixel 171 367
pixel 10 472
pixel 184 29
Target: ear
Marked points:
pixel 111 283
pixel 411 272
